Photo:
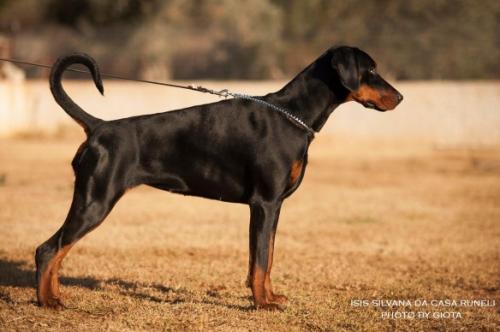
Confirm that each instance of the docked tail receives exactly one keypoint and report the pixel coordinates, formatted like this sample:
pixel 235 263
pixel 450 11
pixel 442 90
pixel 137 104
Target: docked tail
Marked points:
pixel 87 121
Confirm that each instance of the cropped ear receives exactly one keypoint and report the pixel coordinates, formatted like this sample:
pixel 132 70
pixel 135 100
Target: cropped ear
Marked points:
pixel 345 63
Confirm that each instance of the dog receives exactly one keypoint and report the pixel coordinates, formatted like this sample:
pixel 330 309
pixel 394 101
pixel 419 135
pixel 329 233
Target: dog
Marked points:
pixel 235 150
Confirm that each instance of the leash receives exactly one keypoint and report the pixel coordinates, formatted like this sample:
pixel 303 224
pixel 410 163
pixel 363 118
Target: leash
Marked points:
pixel 221 93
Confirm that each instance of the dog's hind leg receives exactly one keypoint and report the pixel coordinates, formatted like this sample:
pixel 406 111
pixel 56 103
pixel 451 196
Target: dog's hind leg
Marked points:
pixel 98 187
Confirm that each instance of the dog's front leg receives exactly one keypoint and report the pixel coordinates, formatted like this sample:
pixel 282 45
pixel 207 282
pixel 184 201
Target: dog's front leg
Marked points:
pixel 263 218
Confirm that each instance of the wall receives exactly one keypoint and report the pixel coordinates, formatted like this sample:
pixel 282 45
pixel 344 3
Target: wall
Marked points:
pixel 443 113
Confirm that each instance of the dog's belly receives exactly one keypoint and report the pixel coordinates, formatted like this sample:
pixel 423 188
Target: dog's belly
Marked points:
pixel 206 181
pixel 224 190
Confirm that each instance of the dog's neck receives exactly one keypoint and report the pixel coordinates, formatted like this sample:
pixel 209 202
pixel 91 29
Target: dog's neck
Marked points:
pixel 312 95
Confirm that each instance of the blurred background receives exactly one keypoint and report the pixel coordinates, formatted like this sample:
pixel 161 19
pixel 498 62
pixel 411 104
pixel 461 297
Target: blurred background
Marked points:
pixel 265 43
pixel 257 39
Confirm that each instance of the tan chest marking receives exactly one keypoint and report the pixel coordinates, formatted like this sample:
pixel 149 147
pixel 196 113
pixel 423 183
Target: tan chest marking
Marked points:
pixel 295 172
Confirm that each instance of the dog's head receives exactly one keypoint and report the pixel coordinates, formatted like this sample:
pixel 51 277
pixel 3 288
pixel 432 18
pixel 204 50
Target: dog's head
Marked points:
pixel 358 74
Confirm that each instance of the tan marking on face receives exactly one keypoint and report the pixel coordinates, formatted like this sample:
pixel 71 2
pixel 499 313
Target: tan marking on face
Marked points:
pixel 384 100
pixel 366 94
pixel 390 101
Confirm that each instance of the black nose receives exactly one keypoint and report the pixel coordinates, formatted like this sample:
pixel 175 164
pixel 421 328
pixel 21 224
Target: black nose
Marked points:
pixel 400 97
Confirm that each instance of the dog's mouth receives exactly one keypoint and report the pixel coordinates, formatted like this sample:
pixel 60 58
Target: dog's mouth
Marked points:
pixel 369 104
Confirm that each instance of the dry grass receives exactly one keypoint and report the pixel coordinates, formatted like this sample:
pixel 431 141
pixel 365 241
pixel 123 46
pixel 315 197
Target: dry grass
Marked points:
pixel 372 220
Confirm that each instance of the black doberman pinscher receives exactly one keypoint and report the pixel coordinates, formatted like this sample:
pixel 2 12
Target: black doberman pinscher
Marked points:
pixel 235 150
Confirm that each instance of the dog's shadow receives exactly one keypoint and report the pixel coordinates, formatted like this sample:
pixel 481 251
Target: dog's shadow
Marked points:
pixel 17 273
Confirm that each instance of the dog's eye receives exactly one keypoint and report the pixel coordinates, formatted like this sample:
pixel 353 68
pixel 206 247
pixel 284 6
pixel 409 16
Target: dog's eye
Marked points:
pixel 372 71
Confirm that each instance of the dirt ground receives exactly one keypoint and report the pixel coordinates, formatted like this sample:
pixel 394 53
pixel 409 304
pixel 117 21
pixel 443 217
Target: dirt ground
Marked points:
pixel 372 221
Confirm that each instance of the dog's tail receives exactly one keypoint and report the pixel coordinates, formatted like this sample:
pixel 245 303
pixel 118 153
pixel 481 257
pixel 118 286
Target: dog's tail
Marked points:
pixel 87 121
